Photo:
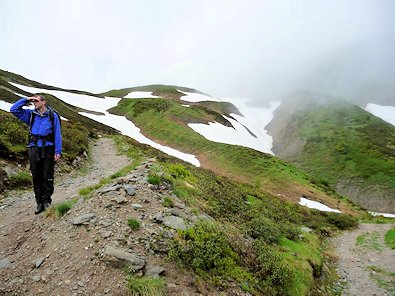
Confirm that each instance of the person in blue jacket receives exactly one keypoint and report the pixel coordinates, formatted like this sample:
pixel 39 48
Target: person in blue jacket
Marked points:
pixel 45 145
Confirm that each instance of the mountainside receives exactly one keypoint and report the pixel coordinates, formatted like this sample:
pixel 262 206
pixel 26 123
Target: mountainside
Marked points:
pixel 341 144
pixel 232 226
pixel 165 121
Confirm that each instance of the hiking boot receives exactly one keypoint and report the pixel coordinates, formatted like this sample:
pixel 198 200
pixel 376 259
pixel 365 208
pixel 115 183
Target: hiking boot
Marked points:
pixel 47 205
pixel 40 209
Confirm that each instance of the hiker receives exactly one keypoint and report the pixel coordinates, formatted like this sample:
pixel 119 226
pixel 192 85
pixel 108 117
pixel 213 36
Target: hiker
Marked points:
pixel 45 145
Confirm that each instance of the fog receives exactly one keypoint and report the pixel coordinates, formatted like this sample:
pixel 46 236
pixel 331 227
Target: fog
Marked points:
pixel 260 50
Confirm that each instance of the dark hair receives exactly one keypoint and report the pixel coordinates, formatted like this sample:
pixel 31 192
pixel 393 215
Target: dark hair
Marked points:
pixel 42 98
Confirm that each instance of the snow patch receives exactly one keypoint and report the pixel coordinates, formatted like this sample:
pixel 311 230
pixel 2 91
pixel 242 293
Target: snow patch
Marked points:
pixel 386 113
pixel 5 106
pixel 316 205
pixel 253 121
pixel 196 97
pixel 387 215
pixel 82 101
pixel 140 95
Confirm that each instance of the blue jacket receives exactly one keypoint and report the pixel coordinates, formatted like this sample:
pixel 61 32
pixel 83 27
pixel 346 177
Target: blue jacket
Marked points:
pixel 42 124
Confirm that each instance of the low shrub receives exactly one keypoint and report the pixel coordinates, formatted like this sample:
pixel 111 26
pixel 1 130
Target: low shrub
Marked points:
pixel 264 229
pixel 272 267
pixel 21 179
pixel 178 171
pixel 13 136
pixel 75 139
pixel 154 179
pixel 134 224
pixel 205 248
pixel 341 221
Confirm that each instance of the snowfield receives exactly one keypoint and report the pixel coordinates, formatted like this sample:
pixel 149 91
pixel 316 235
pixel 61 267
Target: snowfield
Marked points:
pixel 248 130
pixel 386 113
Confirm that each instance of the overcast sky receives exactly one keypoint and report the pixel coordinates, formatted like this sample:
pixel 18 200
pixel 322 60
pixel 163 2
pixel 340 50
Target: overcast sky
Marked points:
pixel 255 49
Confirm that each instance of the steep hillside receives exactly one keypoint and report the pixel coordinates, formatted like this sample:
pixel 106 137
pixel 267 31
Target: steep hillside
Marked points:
pixel 341 144
pixel 165 121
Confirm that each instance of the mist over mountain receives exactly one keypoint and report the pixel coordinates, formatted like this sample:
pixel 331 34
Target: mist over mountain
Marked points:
pixel 257 50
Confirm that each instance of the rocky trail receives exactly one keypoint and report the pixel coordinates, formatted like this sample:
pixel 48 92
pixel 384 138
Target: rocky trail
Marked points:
pixel 366 266
pixel 85 252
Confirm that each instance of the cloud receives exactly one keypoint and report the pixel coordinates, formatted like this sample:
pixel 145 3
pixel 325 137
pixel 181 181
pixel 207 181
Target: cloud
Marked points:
pixel 253 49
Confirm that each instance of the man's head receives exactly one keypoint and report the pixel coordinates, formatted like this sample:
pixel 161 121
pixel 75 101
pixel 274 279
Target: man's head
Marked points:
pixel 39 101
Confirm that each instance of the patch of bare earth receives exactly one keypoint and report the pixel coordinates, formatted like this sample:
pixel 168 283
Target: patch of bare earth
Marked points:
pixel 365 268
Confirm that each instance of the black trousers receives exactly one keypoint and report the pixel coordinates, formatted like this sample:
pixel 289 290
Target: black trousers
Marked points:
pixel 42 168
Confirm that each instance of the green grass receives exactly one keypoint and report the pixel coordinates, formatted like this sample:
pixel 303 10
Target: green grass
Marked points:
pixel 154 179
pixel 168 202
pixel 370 241
pixel 60 209
pixel 145 286
pixel 166 121
pixel 357 146
pixel 21 179
pixel 134 224
pixel 389 238
pixel 305 258
pixel 13 137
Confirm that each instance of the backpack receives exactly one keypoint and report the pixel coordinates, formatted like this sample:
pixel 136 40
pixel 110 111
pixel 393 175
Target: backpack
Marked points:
pixel 52 111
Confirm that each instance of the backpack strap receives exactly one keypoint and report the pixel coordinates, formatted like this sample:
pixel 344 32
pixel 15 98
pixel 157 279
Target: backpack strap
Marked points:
pixel 32 116
pixel 51 136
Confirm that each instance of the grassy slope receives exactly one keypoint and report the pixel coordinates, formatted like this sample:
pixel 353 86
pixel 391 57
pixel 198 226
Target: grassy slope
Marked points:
pixel 343 143
pixel 165 121
pixel 254 240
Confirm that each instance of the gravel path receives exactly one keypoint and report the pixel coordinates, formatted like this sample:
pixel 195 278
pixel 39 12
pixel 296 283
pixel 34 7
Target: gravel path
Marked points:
pixel 105 162
pixel 24 236
pixel 364 265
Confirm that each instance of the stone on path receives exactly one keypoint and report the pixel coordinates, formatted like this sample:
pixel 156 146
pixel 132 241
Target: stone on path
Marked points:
pixel 39 262
pixel 83 218
pixel 137 206
pixel 5 262
pixel 129 189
